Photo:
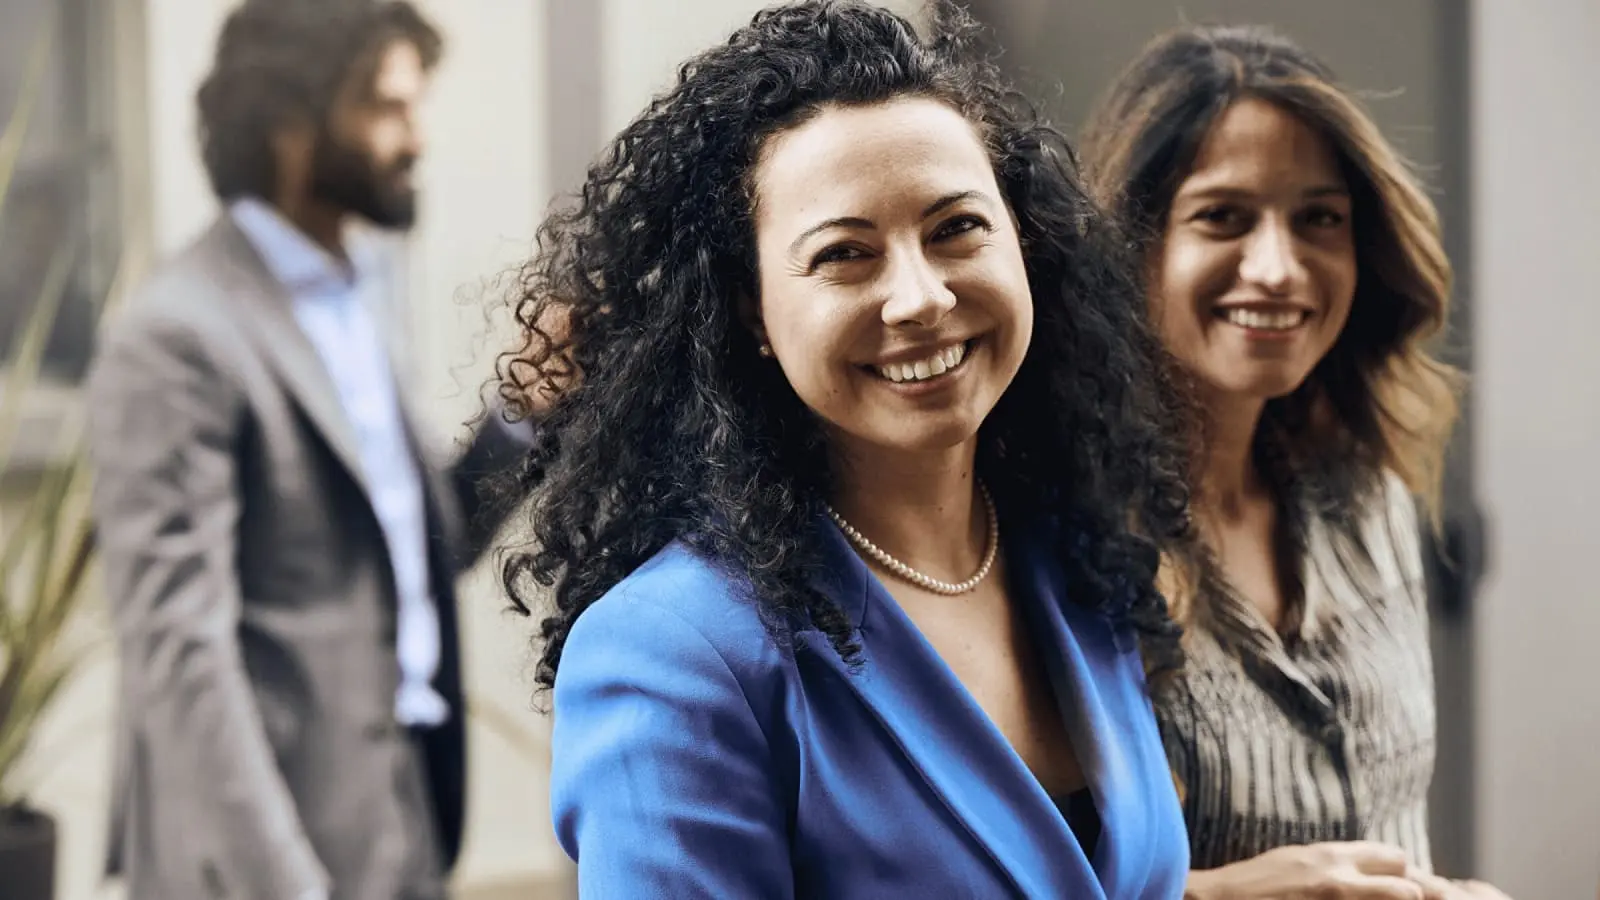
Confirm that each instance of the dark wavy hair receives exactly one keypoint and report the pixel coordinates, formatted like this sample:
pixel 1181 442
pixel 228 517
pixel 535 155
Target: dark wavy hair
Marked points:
pixel 664 423
pixel 1379 400
pixel 282 62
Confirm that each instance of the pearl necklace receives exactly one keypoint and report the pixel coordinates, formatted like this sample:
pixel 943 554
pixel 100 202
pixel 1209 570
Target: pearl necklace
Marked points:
pixel 912 575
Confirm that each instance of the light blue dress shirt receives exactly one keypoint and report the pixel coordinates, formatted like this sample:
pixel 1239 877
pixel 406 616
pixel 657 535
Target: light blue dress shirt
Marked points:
pixel 333 302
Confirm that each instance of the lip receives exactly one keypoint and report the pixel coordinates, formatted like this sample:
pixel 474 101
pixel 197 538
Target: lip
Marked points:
pixel 1221 312
pixel 912 354
pixel 932 385
pixel 1266 306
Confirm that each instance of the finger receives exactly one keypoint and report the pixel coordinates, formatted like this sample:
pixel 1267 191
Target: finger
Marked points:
pixel 1434 887
pixel 1481 890
pixel 1386 887
pixel 1373 858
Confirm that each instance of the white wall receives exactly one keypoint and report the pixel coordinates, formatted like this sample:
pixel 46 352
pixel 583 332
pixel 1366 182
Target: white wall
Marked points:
pixel 483 183
pixel 647 39
pixel 1536 213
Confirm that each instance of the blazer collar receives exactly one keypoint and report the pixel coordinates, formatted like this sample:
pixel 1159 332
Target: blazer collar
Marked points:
pixel 267 311
pixel 941 729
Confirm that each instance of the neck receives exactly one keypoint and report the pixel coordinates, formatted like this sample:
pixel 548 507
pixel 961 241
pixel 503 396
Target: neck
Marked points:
pixel 320 221
pixel 1231 479
pixel 924 510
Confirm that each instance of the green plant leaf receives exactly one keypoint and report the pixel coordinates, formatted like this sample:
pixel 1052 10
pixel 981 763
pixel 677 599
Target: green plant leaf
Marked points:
pixel 28 709
pixel 46 549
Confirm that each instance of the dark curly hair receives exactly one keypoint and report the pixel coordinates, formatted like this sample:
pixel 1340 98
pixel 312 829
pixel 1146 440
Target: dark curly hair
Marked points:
pixel 663 421
pixel 280 62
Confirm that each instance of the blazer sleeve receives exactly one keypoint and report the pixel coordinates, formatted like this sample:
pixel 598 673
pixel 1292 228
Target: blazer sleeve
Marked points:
pixel 497 447
pixel 162 436
pixel 662 781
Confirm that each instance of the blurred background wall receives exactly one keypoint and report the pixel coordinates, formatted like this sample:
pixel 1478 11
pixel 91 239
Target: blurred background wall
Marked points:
pixel 1495 98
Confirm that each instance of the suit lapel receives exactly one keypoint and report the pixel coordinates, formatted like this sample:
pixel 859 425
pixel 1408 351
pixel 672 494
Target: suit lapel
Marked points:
pixel 935 722
pixel 269 320
pixel 1088 652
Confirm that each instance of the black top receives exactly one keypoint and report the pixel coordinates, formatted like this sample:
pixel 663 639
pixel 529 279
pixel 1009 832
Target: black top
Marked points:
pixel 1083 818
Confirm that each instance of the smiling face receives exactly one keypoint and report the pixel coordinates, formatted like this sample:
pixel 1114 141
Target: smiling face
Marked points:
pixel 892 287
pixel 1256 270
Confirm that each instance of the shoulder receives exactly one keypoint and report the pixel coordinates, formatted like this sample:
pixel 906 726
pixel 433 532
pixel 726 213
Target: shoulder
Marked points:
pixel 178 302
pixel 180 312
pixel 677 612
pixel 1393 528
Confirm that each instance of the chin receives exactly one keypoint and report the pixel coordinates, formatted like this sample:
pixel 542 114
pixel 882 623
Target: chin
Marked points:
pixel 1264 389
pixel 1261 382
pixel 927 437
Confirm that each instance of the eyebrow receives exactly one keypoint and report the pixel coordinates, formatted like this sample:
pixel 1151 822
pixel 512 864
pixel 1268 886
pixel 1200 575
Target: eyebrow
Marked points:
pixel 1224 192
pixel 937 206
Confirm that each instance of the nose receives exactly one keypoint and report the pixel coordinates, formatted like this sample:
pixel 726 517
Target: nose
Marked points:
pixel 1271 258
pixel 414 144
pixel 917 294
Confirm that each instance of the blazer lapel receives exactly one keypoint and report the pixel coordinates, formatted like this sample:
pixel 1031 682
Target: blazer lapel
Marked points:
pixel 269 320
pixel 936 723
pixel 1087 654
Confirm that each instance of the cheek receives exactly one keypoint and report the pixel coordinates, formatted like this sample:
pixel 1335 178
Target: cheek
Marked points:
pixel 1015 297
pixel 1175 324
pixel 1338 277
pixel 1186 279
pixel 385 143
pixel 806 338
pixel 1194 273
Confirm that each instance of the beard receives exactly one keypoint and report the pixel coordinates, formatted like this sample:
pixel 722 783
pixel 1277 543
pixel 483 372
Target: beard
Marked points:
pixel 352 181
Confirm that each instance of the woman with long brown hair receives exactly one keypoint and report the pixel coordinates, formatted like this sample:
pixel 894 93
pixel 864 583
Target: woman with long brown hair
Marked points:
pixel 1294 270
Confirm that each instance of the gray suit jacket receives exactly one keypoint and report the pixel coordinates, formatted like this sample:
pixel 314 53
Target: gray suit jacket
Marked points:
pixel 254 605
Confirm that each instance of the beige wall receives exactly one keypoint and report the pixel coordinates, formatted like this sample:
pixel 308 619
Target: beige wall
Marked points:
pixel 1536 216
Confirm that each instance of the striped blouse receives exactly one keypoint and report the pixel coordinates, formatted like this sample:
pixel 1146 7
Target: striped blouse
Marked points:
pixel 1327 738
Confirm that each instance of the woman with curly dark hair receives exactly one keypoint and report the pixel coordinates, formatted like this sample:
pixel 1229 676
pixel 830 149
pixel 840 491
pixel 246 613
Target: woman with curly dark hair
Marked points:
pixel 842 495
pixel 1294 268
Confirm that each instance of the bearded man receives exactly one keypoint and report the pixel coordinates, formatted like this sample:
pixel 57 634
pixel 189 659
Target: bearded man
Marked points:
pixel 280 555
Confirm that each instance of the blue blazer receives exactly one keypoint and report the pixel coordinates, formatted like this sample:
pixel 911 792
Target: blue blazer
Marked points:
pixel 694 758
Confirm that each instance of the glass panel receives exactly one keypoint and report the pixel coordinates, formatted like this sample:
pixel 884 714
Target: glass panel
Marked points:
pixel 59 227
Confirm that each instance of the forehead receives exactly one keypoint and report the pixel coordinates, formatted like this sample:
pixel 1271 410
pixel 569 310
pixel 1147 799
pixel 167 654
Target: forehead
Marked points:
pixel 397 73
pixel 1257 142
pixel 850 157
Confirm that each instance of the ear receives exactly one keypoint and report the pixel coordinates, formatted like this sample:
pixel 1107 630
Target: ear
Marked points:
pixel 748 309
pixel 293 146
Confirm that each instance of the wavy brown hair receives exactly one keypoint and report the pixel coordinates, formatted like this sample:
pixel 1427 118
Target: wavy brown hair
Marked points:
pixel 1379 400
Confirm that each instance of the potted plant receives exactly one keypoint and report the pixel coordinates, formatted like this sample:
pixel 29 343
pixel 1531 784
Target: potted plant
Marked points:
pixel 46 543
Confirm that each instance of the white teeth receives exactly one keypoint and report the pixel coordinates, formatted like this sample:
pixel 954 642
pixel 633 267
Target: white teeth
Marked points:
pixel 1276 320
pixel 923 369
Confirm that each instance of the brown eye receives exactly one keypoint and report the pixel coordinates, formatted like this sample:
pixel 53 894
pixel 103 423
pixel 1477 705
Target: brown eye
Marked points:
pixel 836 254
pixel 961 225
pixel 1222 220
pixel 1325 217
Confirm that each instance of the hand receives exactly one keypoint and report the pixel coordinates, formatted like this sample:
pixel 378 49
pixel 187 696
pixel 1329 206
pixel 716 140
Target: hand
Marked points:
pixel 1355 870
pixel 1447 889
